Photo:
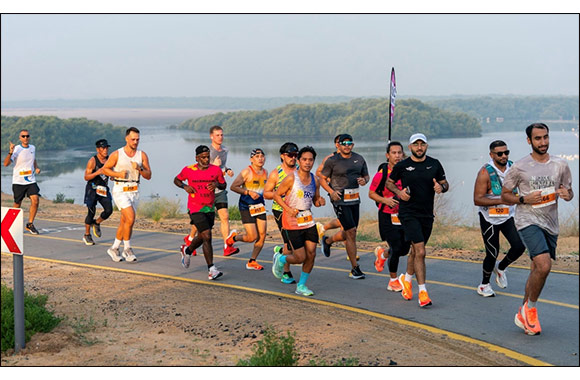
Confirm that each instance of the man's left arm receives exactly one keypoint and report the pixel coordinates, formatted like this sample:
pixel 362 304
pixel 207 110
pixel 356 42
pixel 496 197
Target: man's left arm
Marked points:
pixel 145 169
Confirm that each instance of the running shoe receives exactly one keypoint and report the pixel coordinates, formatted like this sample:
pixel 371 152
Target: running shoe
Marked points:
pixel 356 273
pixel 288 279
pixel 228 251
pixel 379 261
pixel 278 249
pixel 30 227
pixel 128 255
pixel 253 265
pixel 96 229
pixel 407 292
pixel 394 285
pixel 303 291
pixel 500 278
pixel 277 266
pixel 88 239
pixel 424 299
pixel 230 239
pixel 320 230
pixel 114 253
pixel 185 258
pixel 485 290
pixel 325 247
pixel 214 273
pixel 186 240
pixel 527 320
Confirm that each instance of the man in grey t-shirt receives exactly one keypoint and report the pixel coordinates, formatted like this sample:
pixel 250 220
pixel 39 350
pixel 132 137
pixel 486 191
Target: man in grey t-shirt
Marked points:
pixel 541 179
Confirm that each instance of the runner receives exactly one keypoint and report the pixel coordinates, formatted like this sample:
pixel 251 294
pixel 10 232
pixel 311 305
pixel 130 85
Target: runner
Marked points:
pixel 97 190
pixel 250 185
pixel 421 178
pixel 341 176
pixel 542 179
pixel 495 217
pixel 296 194
pixel 202 179
pixel 24 176
pixel 288 155
pixel 126 166
pixel 390 227
pixel 218 155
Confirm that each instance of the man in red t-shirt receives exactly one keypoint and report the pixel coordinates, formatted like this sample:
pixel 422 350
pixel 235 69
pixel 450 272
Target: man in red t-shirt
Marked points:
pixel 389 225
pixel 202 179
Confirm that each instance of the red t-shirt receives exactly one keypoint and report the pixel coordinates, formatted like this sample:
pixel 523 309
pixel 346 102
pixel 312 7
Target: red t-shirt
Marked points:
pixel 386 192
pixel 202 200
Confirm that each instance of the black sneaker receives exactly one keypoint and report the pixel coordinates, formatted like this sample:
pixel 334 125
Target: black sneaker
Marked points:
pixel 97 229
pixel 30 227
pixel 88 240
pixel 325 247
pixel 356 273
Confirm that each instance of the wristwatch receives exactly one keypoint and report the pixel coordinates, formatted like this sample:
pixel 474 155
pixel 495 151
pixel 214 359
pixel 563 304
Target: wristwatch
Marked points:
pixel 522 199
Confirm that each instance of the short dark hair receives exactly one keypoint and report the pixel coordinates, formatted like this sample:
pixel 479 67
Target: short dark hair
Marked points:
pixel 307 149
pixel 393 143
pixel 132 129
pixel 495 144
pixel 536 125
pixel 215 128
pixel 336 138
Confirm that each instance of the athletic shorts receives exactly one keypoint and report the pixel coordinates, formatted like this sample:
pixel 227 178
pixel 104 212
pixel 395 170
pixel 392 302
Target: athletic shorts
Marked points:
pixel 247 218
pixel 221 200
pixel 297 238
pixel 348 216
pixel 538 241
pixel 21 191
pixel 278 219
pixel 124 199
pixel 202 220
pixel 417 229
pixel 393 234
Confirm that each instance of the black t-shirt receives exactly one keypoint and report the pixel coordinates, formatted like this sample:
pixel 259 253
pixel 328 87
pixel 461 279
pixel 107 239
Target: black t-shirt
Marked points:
pixel 418 176
pixel 343 174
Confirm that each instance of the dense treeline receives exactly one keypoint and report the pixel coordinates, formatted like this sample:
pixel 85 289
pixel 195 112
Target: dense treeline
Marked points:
pixel 50 132
pixel 363 118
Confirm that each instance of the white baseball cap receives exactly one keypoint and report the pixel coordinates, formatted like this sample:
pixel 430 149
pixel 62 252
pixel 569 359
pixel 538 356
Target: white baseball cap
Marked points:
pixel 417 136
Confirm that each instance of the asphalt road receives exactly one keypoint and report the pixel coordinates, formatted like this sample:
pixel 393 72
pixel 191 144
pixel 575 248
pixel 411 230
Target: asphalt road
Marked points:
pixel 456 306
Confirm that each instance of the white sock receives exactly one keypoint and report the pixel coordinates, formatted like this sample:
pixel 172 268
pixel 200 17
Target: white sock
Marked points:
pixel 408 277
pixel 116 244
pixel 126 244
pixel 422 287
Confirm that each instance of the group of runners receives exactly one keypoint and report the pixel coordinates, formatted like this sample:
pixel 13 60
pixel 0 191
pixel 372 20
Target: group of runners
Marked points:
pixel 519 200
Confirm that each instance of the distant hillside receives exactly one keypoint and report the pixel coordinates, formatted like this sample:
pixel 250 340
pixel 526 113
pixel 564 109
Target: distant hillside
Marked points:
pixel 363 118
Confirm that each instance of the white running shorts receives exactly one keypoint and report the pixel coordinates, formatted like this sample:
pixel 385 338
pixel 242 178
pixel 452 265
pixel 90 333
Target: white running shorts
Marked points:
pixel 124 199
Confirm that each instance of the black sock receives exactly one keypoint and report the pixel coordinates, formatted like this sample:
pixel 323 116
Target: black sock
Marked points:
pixel 252 260
pixel 289 274
pixel 209 266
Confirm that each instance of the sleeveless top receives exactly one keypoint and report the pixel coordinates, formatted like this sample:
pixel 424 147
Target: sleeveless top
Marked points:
pixel 100 180
pixel 124 164
pixel 300 197
pixel 281 175
pixel 500 213
pixel 255 183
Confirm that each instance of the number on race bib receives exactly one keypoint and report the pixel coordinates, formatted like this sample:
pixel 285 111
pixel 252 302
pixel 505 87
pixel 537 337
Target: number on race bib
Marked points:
pixel 257 209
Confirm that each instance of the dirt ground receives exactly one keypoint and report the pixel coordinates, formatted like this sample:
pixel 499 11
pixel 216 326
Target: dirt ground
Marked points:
pixel 118 319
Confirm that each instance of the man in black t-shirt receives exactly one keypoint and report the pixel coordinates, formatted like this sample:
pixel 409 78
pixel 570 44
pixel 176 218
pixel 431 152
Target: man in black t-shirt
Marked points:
pixel 421 177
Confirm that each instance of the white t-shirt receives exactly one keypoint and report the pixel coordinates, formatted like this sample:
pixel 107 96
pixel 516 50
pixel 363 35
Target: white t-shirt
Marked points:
pixel 23 159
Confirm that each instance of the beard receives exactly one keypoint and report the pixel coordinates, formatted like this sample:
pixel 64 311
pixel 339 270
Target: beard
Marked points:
pixel 416 155
pixel 539 150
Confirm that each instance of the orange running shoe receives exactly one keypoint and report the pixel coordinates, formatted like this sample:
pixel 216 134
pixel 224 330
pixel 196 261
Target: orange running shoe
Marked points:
pixel 228 251
pixel 253 265
pixel 379 261
pixel 527 319
pixel 394 285
pixel 407 292
pixel 230 239
pixel 424 299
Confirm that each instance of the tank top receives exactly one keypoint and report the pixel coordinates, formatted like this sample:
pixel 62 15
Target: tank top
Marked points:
pixel 500 213
pixel 100 180
pixel 281 175
pixel 256 183
pixel 300 197
pixel 124 164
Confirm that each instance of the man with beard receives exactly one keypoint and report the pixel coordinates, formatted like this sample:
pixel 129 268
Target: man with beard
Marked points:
pixel 421 178
pixel 495 217
pixel 541 179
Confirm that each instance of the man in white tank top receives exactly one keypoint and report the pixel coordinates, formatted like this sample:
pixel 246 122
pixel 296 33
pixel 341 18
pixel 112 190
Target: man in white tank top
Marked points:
pixel 126 166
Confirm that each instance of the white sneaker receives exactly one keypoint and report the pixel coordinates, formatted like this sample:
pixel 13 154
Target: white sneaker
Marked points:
pixel 485 290
pixel 214 273
pixel 500 278
pixel 128 254
pixel 114 253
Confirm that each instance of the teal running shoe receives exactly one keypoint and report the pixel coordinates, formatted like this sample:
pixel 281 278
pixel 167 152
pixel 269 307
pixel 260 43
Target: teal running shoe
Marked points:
pixel 303 291
pixel 277 267
pixel 287 279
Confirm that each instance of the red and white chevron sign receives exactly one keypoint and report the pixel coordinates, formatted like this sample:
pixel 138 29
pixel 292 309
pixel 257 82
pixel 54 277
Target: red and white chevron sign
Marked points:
pixel 12 230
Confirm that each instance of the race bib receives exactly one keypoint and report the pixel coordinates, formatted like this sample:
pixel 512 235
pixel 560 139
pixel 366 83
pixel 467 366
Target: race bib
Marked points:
pixel 395 221
pixel 257 209
pixel 548 197
pixel 304 218
pixel 129 189
pixel 498 212
pixel 351 195
pixel 102 191
pixel 25 172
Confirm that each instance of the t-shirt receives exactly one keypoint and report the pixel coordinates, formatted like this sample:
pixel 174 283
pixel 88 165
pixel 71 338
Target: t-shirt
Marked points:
pixel 418 177
pixel 202 200
pixel 23 172
pixel 386 192
pixel 223 155
pixel 529 176
pixel 343 174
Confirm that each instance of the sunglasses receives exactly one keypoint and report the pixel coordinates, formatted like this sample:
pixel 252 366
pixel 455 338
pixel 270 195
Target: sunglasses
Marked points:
pixel 346 143
pixel 24 136
pixel 292 155
pixel 499 154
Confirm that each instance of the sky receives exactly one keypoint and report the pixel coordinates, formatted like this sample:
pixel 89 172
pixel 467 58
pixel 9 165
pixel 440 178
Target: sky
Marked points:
pixel 85 56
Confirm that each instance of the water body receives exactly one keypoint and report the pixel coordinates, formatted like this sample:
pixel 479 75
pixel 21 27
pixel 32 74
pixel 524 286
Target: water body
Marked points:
pixel 170 150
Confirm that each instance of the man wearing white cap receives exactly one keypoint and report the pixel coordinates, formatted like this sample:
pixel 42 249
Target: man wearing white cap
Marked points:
pixel 421 177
